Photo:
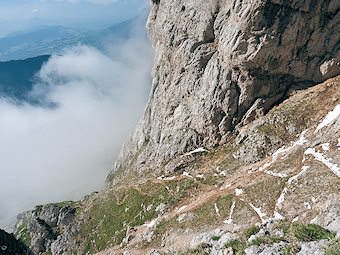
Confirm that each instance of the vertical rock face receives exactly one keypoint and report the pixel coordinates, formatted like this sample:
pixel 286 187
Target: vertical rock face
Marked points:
pixel 221 64
pixel 9 245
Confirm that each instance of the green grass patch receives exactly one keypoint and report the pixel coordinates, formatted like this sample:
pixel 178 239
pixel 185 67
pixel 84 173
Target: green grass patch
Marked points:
pixel 266 192
pixel 310 232
pixel 253 230
pixel 210 179
pixel 38 209
pixel 216 238
pixel 24 234
pixel 237 246
pixel 107 222
pixel 266 240
pixel 223 204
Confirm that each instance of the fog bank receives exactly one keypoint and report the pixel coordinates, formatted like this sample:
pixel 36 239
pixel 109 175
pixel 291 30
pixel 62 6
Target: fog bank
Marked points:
pixel 65 147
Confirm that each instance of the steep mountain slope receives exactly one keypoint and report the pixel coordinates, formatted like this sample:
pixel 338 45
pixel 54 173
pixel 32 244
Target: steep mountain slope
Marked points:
pixel 221 64
pixel 296 177
pixel 238 148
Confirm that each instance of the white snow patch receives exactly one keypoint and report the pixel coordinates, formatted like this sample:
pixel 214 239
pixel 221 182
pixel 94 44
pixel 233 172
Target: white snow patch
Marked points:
pixel 275 174
pixel 295 219
pixel 332 115
pixel 301 141
pixel 223 173
pixel 308 206
pixel 313 199
pixel 230 220
pixel 313 220
pixel 290 180
pixel 325 146
pixel 318 156
pixel 238 192
pixel 169 178
pixel 195 151
pixel 182 208
pixel 126 209
pixel 338 142
pixel 278 216
pixel 200 176
pixel 186 174
pixel 282 197
pixel 151 224
pixel 160 177
pixel 259 213
pixel 295 177
pixel 217 210
pixel 234 156
pixel 226 186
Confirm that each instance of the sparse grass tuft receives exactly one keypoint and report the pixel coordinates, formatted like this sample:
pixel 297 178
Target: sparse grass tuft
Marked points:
pixel 237 246
pixel 253 230
pixel 310 232
pixel 216 238
pixel 291 249
pixel 24 234
pixel 266 240
pixel 333 248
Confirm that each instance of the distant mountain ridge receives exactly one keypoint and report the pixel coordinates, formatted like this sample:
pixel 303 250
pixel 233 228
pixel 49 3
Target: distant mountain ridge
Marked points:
pixel 17 76
pixel 50 40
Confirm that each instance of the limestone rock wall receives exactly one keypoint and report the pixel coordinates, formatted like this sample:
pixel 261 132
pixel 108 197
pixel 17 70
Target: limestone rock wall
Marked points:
pixel 220 64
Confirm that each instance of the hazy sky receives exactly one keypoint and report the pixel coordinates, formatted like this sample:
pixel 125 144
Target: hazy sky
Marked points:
pixel 81 13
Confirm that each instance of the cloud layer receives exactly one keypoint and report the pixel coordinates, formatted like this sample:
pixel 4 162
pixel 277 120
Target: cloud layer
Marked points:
pixel 65 151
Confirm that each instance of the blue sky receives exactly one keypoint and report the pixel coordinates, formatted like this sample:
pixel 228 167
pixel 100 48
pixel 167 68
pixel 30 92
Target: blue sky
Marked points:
pixel 72 13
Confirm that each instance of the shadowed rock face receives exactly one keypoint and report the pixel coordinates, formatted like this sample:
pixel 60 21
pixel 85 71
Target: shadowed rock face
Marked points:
pixel 44 225
pixel 222 64
pixel 11 246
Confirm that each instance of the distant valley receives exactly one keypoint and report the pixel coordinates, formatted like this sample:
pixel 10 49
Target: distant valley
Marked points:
pixel 48 40
pixel 22 54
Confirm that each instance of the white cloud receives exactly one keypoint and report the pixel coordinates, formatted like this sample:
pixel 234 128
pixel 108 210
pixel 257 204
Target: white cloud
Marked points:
pixel 35 10
pixel 63 153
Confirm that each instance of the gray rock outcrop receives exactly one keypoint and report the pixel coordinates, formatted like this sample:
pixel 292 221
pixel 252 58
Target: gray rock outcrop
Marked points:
pixel 222 64
pixel 49 228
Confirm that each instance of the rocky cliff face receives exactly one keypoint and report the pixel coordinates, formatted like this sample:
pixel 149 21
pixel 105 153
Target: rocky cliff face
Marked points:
pixel 222 64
